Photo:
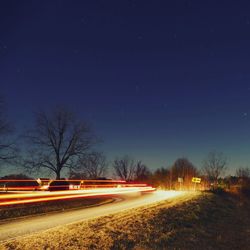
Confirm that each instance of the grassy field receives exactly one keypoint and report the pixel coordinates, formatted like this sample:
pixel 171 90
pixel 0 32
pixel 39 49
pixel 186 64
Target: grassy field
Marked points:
pixel 197 221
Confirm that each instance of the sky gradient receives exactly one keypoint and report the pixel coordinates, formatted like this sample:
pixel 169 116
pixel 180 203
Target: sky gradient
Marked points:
pixel 157 79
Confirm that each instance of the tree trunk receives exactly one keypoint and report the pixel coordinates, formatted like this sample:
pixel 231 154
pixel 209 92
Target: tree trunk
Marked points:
pixel 58 177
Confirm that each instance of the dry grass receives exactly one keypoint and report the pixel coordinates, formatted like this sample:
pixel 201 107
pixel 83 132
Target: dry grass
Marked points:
pixel 204 221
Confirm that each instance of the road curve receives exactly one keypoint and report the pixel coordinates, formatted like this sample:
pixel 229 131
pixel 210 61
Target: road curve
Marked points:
pixel 24 226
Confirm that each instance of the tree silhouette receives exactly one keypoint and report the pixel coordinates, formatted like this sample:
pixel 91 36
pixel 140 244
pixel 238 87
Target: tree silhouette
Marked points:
pixel 162 178
pixel 243 172
pixel 8 150
pixel 214 165
pixel 93 165
pixel 141 172
pixel 124 168
pixel 183 168
pixel 57 141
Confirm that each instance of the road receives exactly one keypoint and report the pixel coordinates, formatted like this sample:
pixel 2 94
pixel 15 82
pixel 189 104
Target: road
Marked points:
pixel 24 226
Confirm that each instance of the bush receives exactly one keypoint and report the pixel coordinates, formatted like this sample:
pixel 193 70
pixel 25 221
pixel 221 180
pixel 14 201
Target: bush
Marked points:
pixel 245 190
pixel 219 191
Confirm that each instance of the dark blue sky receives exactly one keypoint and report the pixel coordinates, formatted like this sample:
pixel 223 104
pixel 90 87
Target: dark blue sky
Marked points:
pixel 158 79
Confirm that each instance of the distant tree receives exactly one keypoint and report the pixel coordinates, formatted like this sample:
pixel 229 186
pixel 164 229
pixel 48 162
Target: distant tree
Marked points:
pixel 162 178
pixel 141 172
pixel 8 149
pixel 93 165
pixel 57 141
pixel 124 168
pixel 243 172
pixel 183 168
pixel 214 166
pixel 77 175
pixel 231 181
pixel 243 175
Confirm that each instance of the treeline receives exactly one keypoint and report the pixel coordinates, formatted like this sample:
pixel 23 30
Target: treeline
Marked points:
pixel 60 142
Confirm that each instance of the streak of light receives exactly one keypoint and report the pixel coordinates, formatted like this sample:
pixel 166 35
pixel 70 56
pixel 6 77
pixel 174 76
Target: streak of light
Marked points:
pixel 63 195
pixel 69 180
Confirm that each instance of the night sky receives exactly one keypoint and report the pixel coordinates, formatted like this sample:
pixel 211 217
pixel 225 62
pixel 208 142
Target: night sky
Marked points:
pixel 157 79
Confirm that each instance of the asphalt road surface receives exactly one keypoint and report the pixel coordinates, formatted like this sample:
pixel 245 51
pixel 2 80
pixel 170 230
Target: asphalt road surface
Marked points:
pixel 20 227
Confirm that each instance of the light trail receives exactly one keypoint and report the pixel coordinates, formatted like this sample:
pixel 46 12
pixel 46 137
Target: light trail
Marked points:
pixel 24 198
pixel 55 185
pixel 69 180
pixel 69 187
pixel 23 194
pixel 25 191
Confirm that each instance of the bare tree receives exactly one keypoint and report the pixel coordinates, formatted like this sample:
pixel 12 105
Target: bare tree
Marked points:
pixel 93 165
pixel 243 172
pixel 77 175
pixel 183 168
pixel 214 166
pixel 141 172
pixel 8 149
pixel 124 168
pixel 57 141
pixel 243 175
pixel 162 178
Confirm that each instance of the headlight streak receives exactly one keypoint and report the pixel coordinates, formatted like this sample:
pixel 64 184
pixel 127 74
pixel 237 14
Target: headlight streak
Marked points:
pixel 56 185
pixel 24 192
pixel 25 198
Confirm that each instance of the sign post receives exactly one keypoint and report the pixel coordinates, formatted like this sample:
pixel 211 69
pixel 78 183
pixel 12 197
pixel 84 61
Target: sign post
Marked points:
pixel 180 180
pixel 196 180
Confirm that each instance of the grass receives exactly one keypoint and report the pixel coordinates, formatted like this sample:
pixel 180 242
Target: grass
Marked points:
pixel 203 221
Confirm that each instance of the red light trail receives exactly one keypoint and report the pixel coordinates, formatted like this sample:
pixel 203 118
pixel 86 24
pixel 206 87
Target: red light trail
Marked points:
pixel 87 188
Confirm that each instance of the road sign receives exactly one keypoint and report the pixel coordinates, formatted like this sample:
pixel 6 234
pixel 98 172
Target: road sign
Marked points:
pixel 180 179
pixel 196 180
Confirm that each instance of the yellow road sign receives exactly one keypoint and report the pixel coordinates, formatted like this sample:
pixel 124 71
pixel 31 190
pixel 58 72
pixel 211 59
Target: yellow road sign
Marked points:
pixel 196 180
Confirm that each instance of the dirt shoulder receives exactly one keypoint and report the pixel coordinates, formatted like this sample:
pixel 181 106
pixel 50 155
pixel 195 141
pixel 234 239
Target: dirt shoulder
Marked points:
pixel 203 221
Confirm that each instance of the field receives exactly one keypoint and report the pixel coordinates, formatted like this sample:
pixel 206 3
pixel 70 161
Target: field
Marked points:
pixel 196 221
